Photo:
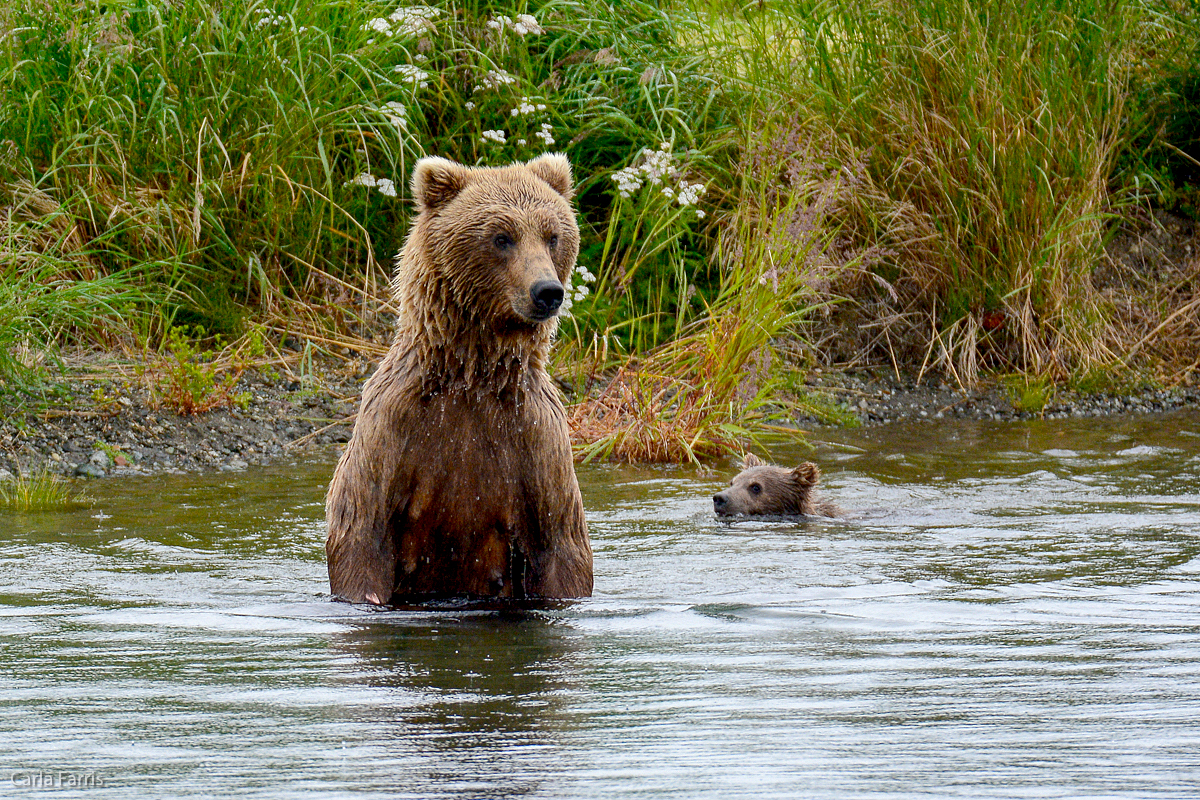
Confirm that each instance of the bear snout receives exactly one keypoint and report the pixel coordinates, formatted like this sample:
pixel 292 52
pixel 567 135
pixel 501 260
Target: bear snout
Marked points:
pixel 719 502
pixel 547 296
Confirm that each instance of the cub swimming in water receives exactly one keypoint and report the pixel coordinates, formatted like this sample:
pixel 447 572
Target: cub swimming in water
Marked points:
pixel 762 489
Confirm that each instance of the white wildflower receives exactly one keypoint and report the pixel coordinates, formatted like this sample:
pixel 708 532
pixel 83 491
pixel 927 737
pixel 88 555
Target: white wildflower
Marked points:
pixel 412 74
pixel 545 134
pixel 499 137
pixel 577 288
pixel 270 19
pixel 365 179
pixel 404 21
pixel 521 142
pixel 385 186
pixel 658 168
pixel 524 24
pixel 529 23
pixel 468 105
pixel 397 114
pixel 494 79
pixel 379 25
pixel 628 181
pixel 524 107
pixel 689 193
pixel 414 20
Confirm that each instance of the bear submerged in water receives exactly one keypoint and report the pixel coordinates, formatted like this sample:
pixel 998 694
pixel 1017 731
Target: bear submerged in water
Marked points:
pixel 459 479
pixel 762 489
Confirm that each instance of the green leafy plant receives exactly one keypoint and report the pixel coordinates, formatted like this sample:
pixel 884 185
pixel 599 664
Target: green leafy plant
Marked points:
pixel 1030 393
pixel 189 381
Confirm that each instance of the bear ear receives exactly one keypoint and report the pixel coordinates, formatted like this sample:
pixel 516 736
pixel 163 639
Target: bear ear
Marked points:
pixel 752 460
pixel 807 474
pixel 436 181
pixel 554 169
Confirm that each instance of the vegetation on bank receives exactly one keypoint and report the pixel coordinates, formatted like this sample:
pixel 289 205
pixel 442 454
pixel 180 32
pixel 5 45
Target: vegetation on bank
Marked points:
pixel 762 187
pixel 40 491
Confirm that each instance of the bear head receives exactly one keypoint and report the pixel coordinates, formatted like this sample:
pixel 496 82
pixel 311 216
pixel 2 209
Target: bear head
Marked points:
pixel 497 243
pixel 766 489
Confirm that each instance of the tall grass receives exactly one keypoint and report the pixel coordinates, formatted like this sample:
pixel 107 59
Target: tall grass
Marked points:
pixel 720 384
pixel 51 289
pixel 982 137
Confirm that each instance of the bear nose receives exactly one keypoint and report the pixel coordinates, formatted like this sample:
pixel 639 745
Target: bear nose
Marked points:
pixel 547 296
pixel 719 500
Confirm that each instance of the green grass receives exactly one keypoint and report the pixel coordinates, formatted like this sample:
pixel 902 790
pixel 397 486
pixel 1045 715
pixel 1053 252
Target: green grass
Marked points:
pixel 39 491
pixel 52 289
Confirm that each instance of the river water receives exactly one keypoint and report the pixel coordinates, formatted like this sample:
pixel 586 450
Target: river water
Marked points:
pixel 1012 610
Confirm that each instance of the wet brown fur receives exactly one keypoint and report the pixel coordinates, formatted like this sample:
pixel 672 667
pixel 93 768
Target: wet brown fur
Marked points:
pixel 459 479
pixel 780 492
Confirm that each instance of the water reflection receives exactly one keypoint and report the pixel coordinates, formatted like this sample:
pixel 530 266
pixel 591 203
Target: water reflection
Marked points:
pixel 482 695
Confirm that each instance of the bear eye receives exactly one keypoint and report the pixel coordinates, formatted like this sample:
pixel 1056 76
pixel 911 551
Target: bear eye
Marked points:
pixel 552 241
pixel 502 241
pixel 755 488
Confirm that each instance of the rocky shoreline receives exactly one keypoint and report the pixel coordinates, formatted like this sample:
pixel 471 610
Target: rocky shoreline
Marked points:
pixel 882 400
pixel 112 427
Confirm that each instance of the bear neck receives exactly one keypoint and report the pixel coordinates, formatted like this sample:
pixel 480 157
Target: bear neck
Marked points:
pixel 457 350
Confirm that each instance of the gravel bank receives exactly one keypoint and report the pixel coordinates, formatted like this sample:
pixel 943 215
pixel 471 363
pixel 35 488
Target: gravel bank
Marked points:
pixel 882 400
pixel 110 427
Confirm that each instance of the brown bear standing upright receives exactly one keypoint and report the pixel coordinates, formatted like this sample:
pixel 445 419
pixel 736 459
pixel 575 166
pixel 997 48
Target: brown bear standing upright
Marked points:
pixel 764 489
pixel 459 479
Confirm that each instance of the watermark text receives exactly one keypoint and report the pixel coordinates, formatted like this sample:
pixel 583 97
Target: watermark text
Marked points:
pixel 56 779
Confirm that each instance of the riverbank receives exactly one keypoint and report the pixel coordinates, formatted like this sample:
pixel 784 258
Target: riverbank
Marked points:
pixel 112 426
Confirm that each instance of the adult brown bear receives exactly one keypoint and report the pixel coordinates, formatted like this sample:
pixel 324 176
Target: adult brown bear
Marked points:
pixel 459 479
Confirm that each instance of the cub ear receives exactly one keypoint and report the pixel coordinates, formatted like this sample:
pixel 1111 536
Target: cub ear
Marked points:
pixel 752 460
pixel 554 169
pixel 436 181
pixel 807 474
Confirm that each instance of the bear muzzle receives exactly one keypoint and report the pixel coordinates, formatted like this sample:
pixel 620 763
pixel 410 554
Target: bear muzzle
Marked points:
pixel 547 297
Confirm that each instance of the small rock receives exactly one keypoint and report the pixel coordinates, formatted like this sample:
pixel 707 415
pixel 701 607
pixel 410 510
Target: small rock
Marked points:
pixel 101 459
pixel 87 470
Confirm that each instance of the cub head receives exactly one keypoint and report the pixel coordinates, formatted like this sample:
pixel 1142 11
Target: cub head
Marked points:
pixel 501 240
pixel 766 489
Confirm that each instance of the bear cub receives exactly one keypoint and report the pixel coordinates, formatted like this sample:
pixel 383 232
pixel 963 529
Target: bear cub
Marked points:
pixel 762 489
